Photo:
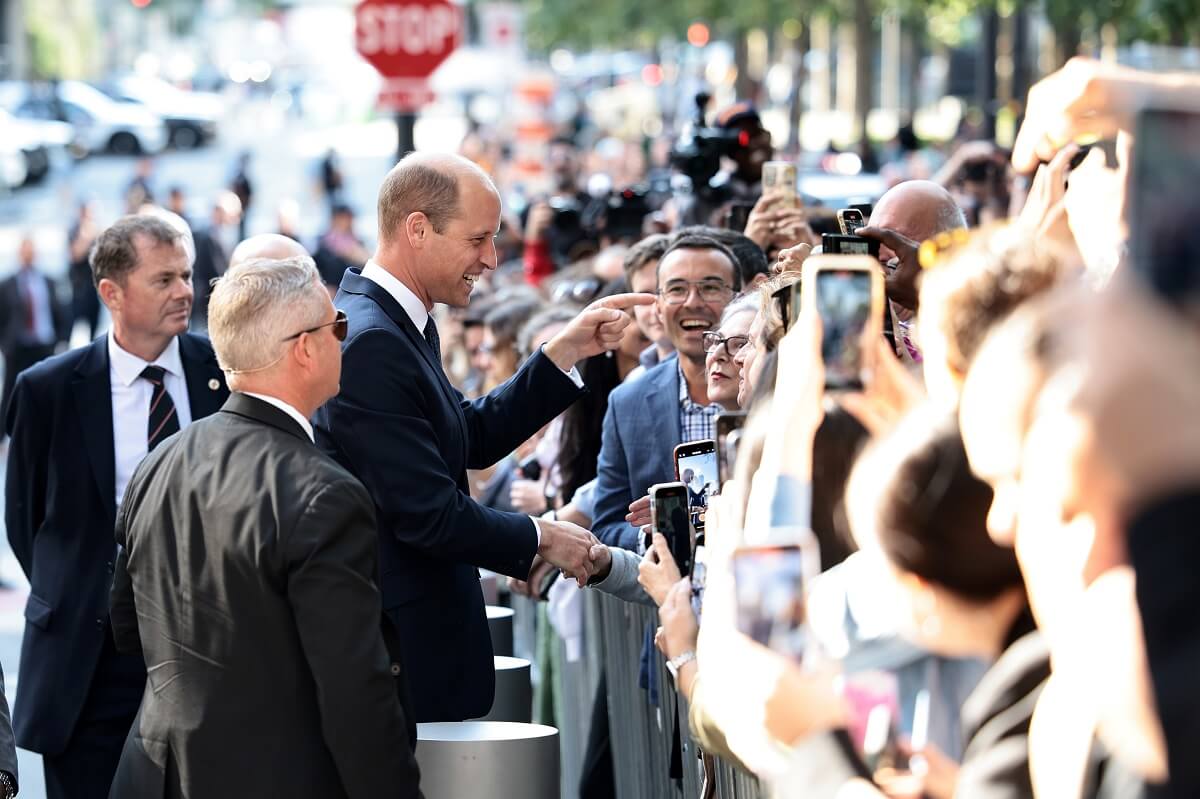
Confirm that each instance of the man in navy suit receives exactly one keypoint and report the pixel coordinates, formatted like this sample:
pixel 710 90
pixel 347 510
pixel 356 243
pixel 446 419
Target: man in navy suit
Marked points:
pixel 668 405
pixel 409 436
pixel 80 423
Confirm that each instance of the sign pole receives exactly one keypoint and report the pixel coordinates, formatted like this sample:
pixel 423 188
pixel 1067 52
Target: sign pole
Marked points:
pixel 405 142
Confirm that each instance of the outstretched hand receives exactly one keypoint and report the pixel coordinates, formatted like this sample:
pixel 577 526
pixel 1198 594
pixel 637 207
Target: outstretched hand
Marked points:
pixel 598 328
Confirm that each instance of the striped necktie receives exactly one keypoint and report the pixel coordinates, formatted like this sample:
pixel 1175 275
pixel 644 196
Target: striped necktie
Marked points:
pixel 163 421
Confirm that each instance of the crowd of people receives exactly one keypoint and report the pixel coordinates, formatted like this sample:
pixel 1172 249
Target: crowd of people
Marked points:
pixel 966 574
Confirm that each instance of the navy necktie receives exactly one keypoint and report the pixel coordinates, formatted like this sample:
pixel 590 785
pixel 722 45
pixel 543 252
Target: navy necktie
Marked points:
pixel 163 420
pixel 431 336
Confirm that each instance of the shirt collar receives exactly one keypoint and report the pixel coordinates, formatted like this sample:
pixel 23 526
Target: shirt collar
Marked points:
pixel 128 367
pixel 401 293
pixel 685 397
pixel 288 409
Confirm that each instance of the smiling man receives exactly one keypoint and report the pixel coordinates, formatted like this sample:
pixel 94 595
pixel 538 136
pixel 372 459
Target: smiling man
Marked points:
pixel 647 418
pixel 409 436
pixel 80 423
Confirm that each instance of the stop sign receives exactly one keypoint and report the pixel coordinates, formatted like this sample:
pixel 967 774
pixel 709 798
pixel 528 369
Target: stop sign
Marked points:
pixel 407 39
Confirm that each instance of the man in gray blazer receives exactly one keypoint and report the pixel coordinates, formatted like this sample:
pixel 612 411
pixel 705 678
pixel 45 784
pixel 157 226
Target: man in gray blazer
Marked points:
pixel 247 576
pixel 668 405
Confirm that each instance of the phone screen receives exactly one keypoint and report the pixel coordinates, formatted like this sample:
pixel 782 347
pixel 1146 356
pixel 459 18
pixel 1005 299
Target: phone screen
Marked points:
pixel 769 587
pixel 727 423
pixel 698 471
pixel 844 303
pixel 1165 206
pixel 833 244
pixel 851 220
pixel 671 520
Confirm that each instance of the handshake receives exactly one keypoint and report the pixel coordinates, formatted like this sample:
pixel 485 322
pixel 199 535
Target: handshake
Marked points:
pixel 569 548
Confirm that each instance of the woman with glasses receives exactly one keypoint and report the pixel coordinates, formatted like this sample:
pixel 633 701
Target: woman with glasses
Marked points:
pixel 721 347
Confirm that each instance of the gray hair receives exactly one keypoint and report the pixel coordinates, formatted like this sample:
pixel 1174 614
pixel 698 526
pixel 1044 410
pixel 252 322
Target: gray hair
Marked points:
pixel 750 301
pixel 115 254
pixel 257 304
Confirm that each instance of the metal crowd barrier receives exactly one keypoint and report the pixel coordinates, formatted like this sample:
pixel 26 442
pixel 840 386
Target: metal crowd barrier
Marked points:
pixel 640 733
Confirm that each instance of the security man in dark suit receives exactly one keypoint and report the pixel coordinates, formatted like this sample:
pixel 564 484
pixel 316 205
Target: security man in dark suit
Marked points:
pixel 401 428
pixel 247 576
pixel 80 423
pixel 33 319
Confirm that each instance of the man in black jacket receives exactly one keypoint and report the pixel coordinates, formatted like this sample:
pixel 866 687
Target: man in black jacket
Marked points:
pixel 80 423
pixel 247 577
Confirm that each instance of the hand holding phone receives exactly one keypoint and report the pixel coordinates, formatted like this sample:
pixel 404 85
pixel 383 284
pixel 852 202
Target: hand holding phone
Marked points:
pixel 850 220
pixel 780 178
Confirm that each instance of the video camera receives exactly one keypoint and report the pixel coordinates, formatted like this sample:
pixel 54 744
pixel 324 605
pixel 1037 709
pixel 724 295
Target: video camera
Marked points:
pixel 698 153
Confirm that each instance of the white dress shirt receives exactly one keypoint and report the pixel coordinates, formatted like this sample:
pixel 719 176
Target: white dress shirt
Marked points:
pixel 288 409
pixel 419 315
pixel 131 403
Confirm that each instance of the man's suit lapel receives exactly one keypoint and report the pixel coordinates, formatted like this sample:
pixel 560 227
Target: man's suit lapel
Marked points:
pixel 205 381
pixel 661 398
pixel 93 400
pixel 354 283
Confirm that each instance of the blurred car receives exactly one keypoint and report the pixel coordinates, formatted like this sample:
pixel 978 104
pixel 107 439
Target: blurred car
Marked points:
pixel 101 124
pixel 12 166
pixel 191 117
pixel 41 143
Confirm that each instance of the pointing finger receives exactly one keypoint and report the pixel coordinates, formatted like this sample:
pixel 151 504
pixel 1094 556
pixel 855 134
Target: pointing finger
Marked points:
pixel 622 301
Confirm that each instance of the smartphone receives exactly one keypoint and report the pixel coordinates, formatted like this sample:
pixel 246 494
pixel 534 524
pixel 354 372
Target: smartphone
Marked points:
pixel 780 177
pixel 737 215
pixel 1164 225
pixel 769 588
pixel 834 244
pixel 850 220
pixel 696 468
pixel 863 208
pixel 847 293
pixel 727 422
pixel 669 516
pixel 530 468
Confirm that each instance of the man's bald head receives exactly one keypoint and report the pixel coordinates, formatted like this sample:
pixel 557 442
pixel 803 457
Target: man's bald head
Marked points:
pixel 918 209
pixel 428 183
pixel 271 246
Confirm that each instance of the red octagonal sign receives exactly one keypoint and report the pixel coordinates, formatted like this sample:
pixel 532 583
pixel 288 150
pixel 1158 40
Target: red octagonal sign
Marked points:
pixel 406 40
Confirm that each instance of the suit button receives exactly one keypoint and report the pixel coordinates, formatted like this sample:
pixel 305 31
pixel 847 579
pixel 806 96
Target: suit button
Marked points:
pixel 395 669
pixel 100 623
pixel 110 567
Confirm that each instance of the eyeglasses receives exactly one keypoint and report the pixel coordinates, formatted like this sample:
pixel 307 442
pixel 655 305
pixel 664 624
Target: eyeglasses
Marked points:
pixel 677 292
pixel 733 344
pixel 340 323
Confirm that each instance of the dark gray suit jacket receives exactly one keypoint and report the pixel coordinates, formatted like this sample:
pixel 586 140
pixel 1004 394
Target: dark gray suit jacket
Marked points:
pixel 641 431
pixel 248 577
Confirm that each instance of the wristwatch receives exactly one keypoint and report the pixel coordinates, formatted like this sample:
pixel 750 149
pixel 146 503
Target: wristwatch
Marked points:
pixel 676 663
pixel 8 788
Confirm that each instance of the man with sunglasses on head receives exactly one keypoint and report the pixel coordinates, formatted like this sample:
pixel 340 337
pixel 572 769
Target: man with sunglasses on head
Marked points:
pixel 247 577
pixel 669 404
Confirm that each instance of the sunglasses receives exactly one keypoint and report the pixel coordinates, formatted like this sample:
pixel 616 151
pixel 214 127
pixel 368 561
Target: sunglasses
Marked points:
pixel 340 324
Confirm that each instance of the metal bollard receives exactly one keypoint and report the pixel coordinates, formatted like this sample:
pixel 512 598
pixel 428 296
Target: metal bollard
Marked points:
pixel 514 692
pixel 488 760
pixel 500 625
pixel 489 583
